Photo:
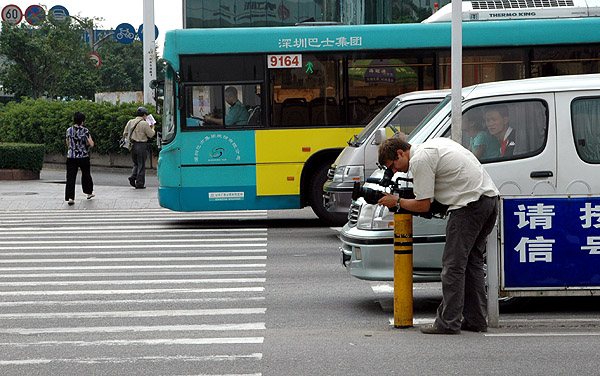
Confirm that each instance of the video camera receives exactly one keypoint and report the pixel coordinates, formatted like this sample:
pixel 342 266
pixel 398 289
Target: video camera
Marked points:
pixel 372 196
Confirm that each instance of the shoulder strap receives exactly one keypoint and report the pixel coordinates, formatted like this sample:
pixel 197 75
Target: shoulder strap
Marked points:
pixel 132 129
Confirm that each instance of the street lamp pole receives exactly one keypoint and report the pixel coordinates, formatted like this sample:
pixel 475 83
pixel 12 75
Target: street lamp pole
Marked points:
pixel 149 51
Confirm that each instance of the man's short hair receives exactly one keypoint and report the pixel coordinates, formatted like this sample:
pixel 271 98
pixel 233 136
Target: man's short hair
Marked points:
pixel 142 111
pixel 501 108
pixel 230 91
pixel 78 118
pixel 388 150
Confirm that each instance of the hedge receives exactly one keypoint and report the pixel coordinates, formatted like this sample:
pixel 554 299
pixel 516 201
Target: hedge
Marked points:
pixel 22 156
pixel 46 122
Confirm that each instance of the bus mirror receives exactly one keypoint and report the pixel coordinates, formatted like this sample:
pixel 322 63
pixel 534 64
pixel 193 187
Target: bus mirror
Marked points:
pixel 380 136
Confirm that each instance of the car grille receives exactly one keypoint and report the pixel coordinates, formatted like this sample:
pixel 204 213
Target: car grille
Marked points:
pixel 331 172
pixel 353 213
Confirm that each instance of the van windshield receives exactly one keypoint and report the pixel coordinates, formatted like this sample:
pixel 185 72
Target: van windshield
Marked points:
pixel 374 124
pixel 434 118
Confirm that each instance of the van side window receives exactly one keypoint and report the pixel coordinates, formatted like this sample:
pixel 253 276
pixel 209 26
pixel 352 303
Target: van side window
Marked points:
pixel 585 115
pixel 505 130
pixel 407 119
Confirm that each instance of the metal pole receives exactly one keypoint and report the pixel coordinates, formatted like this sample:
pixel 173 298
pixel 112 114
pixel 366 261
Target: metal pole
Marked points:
pixel 149 51
pixel 403 270
pixel 456 70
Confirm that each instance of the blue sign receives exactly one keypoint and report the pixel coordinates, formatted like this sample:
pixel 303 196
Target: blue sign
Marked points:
pixel 551 242
pixel 35 14
pixel 60 13
pixel 141 32
pixel 125 33
pixel 98 34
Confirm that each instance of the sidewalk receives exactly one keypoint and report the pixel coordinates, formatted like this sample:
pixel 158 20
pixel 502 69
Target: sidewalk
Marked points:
pixel 111 188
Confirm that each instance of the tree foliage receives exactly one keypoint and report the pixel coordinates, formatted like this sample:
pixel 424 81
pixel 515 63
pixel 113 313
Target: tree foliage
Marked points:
pixel 122 67
pixel 49 60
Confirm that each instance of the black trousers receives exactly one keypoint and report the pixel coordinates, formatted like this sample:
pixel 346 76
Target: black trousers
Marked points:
pixel 73 164
pixel 139 152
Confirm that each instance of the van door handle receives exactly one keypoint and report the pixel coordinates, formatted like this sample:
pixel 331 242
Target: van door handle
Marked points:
pixel 541 174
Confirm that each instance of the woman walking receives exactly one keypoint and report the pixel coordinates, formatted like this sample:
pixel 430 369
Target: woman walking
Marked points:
pixel 79 143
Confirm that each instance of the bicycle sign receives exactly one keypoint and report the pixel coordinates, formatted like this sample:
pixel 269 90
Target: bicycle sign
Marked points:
pixel 12 14
pixel 125 33
pixel 35 15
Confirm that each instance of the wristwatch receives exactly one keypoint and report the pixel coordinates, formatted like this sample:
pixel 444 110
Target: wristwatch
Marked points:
pixel 398 207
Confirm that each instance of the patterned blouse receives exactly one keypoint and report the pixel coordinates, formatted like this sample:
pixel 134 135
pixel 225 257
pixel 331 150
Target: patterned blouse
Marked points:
pixel 78 142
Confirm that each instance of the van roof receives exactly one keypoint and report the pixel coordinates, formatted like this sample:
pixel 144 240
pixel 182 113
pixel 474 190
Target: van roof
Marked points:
pixel 423 94
pixel 533 85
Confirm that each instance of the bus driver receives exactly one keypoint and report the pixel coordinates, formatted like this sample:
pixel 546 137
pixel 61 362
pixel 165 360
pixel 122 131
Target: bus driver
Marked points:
pixel 237 114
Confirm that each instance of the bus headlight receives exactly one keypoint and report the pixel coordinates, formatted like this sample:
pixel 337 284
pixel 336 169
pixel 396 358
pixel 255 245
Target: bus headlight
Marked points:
pixel 348 174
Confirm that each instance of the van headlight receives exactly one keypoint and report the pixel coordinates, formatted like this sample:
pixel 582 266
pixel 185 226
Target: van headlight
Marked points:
pixel 375 217
pixel 348 174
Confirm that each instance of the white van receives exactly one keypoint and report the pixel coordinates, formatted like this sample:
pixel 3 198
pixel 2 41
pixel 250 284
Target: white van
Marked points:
pixel 556 151
pixel 357 160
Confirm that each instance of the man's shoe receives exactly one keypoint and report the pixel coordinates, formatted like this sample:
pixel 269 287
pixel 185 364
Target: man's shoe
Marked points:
pixel 140 187
pixel 470 328
pixel 432 329
pixel 131 181
pixel 71 202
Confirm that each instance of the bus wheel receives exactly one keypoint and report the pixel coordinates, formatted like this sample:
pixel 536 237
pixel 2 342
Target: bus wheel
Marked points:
pixel 315 198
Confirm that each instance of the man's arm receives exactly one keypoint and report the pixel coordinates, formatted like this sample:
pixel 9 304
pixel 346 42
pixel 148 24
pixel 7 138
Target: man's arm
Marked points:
pixel 410 204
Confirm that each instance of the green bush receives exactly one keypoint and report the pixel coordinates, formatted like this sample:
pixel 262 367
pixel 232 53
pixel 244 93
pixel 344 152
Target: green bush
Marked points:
pixel 46 122
pixel 22 156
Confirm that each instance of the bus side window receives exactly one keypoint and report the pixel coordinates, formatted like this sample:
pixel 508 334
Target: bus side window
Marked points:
pixel 294 111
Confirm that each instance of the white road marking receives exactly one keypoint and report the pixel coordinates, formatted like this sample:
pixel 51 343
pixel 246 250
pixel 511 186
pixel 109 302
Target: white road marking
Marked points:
pixel 133 292
pixel 118 251
pixel 132 274
pixel 125 241
pixel 126 259
pixel 129 314
pixel 128 267
pixel 138 329
pixel 177 358
pixel 157 341
pixel 122 246
pixel 122 282
pixel 530 334
pixel 170 301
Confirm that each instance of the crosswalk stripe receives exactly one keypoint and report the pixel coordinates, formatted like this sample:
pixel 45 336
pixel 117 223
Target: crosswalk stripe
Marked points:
pixel 117 360
pixel 132 274
pixel 156 341
pixel 171 301
pixel 127 230
pixel 130 314
pixel 134 291
pixel 139 245
pixel 151 240
pixel 119 252
pixel 129 267
pixel 123 282
pixel 139 329
pixel 126 259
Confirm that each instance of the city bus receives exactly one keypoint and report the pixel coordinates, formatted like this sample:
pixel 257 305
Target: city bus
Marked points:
pixel 306 91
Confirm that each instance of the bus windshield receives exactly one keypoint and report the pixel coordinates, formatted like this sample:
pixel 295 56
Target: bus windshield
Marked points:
pixel 169 124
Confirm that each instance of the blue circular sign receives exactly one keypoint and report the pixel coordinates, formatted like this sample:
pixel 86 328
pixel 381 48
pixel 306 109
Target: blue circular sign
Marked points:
pixel 125 33
pixel 60 13
pixel 141 32
pixel 35 14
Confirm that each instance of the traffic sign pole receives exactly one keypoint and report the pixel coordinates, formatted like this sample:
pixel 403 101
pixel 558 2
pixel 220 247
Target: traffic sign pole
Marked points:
pixel 149 51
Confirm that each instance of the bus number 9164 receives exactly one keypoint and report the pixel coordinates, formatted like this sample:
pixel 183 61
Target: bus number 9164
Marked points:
pixel 285 61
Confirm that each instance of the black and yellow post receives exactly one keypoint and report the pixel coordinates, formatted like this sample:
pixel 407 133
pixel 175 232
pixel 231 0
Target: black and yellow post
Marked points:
pixel 403 270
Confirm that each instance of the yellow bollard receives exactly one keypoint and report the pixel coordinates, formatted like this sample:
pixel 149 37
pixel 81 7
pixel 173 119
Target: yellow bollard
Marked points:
pixel 403 270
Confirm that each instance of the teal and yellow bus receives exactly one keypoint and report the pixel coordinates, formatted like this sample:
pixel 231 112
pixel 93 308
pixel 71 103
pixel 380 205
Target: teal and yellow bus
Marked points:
pixel 254 117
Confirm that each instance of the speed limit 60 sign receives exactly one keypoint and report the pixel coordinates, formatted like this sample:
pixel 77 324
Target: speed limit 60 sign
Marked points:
pixel 12 14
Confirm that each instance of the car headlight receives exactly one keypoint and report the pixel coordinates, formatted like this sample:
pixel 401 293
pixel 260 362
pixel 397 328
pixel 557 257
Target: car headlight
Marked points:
pixel 343 174
pixel 375 217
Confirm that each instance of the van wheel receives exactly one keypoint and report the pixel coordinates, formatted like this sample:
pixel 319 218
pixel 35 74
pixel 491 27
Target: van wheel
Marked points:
pixel 315 198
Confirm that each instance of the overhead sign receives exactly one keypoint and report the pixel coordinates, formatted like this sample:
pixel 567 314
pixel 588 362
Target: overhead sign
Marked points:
pixel 551 243
pixel 125 33
pixel 60 13
pixel 94 57
pixel 35 15
pixel 12 14
pixel 141 32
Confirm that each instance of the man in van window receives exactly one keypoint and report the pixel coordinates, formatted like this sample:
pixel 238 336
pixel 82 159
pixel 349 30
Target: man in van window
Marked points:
pixel 497 122
pixel 444 170
pixel 237 115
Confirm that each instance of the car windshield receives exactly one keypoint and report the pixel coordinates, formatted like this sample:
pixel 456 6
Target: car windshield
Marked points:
pixel 374 124
pixel 441 112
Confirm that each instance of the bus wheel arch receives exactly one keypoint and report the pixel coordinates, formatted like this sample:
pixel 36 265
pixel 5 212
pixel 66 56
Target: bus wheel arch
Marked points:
pixel 314 175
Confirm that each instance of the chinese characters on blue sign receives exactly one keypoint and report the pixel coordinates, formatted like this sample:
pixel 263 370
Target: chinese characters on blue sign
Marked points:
pixel 551 242
pixel 320 43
